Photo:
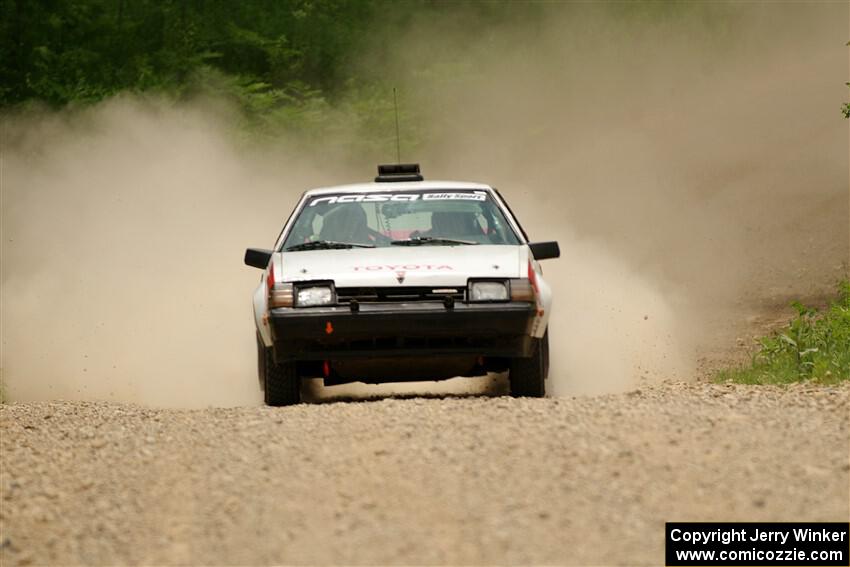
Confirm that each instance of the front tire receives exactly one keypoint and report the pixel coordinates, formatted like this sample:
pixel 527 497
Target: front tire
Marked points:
pixel 280 381
pixel 527 376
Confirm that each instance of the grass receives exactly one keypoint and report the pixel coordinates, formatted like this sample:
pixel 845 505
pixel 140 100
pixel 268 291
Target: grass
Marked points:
pixel 813 347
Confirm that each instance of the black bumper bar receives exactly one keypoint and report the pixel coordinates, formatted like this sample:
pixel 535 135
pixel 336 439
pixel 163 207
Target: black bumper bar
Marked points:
pixel 402 329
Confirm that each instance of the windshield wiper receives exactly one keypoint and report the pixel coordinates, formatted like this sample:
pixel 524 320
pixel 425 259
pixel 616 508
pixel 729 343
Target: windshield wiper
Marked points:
pixel 327 245
pixel 420 240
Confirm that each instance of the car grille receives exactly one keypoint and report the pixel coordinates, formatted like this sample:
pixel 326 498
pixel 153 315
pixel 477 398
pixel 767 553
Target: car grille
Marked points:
pixel 398 294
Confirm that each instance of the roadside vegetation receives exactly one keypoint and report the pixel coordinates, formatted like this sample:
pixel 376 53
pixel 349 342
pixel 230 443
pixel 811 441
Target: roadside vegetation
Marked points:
pixel 306 68
pixel 814 346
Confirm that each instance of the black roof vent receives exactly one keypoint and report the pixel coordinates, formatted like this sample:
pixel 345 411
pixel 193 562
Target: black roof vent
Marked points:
pixel 398 172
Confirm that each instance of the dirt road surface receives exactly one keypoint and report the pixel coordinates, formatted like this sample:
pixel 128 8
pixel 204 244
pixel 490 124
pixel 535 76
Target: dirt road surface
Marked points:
pixel 458 480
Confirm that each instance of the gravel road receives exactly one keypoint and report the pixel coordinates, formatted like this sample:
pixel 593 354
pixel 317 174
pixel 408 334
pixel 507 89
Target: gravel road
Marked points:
pixel 416 481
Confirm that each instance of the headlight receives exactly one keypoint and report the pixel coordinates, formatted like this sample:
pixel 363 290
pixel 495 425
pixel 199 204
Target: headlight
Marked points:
pixel 315 295
pixel 488 291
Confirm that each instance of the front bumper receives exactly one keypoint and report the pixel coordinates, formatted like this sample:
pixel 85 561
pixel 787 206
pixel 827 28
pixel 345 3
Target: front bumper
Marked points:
pixel 402 329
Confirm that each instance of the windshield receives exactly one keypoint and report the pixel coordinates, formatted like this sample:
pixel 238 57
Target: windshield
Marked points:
pixel 427 218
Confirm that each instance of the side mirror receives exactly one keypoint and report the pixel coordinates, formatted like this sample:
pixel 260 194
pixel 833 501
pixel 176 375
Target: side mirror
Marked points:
pixel 258 257
pixel 544 250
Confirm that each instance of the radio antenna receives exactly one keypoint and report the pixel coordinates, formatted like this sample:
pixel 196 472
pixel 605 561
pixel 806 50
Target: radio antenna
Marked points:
pixel 397 138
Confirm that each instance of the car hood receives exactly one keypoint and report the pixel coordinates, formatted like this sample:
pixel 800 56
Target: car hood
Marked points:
pixel 414 266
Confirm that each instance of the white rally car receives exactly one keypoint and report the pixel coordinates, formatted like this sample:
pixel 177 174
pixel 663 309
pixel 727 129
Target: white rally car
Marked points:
pixel 401 279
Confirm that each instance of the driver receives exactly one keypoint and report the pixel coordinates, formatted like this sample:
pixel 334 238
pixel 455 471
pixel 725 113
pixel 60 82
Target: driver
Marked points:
pixel 346 223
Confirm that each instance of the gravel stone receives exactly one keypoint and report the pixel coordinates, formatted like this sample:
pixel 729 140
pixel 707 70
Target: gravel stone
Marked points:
pixel 475 480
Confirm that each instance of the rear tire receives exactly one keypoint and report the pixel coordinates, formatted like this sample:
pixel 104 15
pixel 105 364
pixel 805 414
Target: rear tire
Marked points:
pixel 527 376
pixel 280 382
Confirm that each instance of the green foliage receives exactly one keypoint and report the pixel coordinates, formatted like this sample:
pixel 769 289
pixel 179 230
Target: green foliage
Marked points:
pixel 288 66
pixel 85 50
pixel 814 346
pixel 309 67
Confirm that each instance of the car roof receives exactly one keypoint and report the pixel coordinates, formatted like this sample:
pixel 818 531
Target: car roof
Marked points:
pixel 397 185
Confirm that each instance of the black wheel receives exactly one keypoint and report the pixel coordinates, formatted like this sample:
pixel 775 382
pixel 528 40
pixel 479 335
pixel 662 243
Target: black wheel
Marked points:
pixel 280 383
pixel 528 375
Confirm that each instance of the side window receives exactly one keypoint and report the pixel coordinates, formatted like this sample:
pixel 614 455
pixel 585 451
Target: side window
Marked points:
pixel 511 213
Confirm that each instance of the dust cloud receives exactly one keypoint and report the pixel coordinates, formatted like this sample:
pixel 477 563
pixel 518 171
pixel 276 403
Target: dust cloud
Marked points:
pixel 694 168
pixel 691 166
pixel 124 227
